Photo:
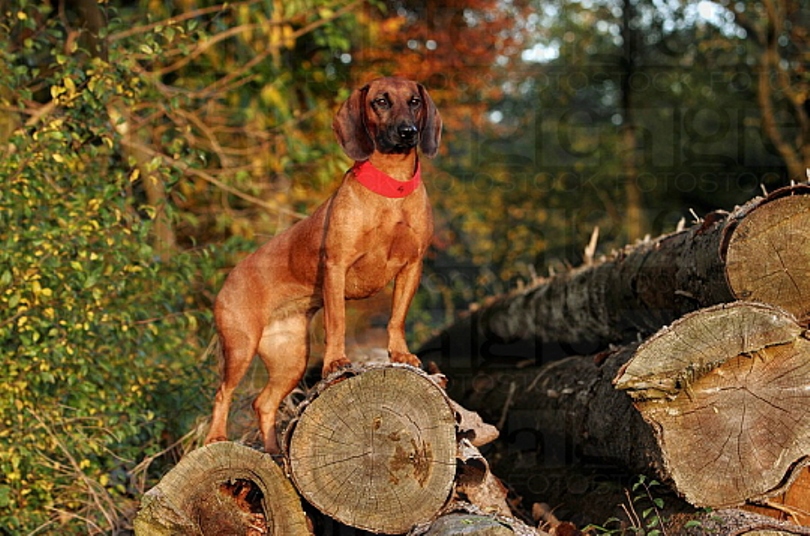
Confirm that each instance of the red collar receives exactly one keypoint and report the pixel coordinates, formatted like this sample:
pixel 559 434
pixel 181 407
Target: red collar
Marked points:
pixel 380 183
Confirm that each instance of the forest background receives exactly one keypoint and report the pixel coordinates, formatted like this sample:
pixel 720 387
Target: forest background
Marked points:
pixel 146 146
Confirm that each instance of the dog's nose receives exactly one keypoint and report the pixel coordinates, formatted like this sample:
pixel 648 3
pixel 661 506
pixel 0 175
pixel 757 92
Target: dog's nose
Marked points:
pixel 407 131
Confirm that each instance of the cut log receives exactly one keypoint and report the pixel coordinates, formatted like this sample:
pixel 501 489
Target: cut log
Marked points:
pixel 667 363
pixel 468 525
pixel 768 255
pixel 759 252
pixel 718 406
pixel 725 390
pixel 732 522
pixel 464 523
pixel 462 518
pixel 222 489
pixel 376 450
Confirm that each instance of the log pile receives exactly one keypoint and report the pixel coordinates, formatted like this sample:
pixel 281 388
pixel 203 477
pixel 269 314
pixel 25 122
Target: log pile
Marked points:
pixel 379 448
pixel 685 358
pixel 698 363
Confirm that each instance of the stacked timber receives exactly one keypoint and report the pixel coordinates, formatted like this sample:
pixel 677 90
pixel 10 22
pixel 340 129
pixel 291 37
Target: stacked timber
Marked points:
pixel 379 448
pixel 698 370
pixel 698 374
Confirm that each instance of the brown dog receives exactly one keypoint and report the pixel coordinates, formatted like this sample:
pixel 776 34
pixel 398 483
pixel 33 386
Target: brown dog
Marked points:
pixel 374 228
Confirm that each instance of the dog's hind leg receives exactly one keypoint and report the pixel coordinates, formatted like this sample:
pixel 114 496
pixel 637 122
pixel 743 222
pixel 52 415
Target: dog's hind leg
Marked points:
pixel 238 349
pixel 284 349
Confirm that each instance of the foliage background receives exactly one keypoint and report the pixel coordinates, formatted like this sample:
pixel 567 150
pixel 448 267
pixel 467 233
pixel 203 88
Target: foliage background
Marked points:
pixel 146 146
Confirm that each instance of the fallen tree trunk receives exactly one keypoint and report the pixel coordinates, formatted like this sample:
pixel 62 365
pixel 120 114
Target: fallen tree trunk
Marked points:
pixel 759 252
pixel 718 406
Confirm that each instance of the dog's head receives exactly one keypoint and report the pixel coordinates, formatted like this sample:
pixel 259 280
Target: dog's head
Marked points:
pixel 389 115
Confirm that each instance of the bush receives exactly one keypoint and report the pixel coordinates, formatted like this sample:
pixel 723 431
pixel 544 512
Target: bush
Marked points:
pixel 101 338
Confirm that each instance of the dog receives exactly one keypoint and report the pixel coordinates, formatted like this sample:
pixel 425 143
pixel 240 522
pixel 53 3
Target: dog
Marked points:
pixel 374 229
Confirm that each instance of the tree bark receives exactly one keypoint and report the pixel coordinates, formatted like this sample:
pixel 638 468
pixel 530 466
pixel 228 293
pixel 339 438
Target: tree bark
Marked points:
pixel 375 451
pixel 732 522
pixel 759 252
pixel 563 410
pixel 222 489
pixel 462 523
pixel 716 409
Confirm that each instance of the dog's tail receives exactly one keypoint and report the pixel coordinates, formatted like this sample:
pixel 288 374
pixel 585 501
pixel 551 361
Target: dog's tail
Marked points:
pixel 214 350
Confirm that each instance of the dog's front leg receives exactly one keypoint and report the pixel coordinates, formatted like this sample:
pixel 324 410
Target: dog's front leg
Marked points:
pixel 405 286
pixel 334 314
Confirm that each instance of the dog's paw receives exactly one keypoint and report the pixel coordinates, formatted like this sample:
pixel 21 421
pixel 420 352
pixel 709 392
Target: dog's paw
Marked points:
pixel 334 366
pixel 407 358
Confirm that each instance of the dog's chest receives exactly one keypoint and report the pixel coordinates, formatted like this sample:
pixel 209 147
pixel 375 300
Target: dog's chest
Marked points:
pixel 392 247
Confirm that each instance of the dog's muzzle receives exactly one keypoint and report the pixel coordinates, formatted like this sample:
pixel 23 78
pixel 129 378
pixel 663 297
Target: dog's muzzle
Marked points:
pixel 399 139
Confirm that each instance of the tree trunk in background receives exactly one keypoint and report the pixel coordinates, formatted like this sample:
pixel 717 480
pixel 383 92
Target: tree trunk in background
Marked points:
pixel 759 252
pixel 92 21
pixel 779 90
pixel 633 217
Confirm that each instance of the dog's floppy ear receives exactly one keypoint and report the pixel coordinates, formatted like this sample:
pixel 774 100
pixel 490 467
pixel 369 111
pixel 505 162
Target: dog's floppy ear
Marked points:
pixel 430 125
pixel 350 126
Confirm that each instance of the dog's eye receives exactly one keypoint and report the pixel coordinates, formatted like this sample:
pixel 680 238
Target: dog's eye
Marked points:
pixel 414 102
pixel 381 102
